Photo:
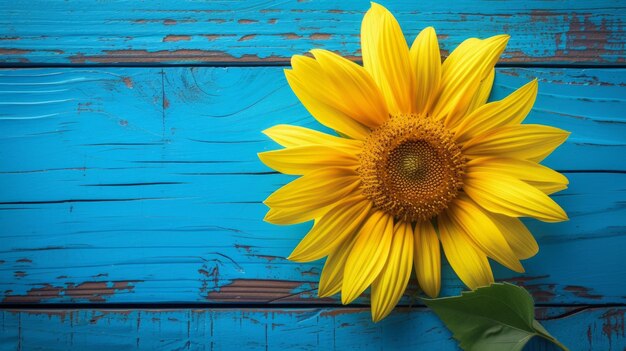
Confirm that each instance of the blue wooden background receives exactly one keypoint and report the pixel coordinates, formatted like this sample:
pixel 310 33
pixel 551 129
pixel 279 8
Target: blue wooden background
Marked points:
pixel 130 190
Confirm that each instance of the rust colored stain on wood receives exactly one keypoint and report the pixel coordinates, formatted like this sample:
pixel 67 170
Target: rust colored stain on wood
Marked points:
pixel 246 248
pixel 218 56
pixel 209 275
pixel 36 295
pixel 128 82
pixel 582 35
pixel 270 258
pixel 167 22
pixel 247 37
pixel 90 291
pixel 542 15
pixel 581 291
pixel 214 37
pixel 256 290
pixel 173 37
pixel 341 311
pixel 127 56
pixel 211 37
pixel 320 36
pixel 291 36
pixel 596 37
pixel 613 324
pixel 247 21
pixel 14 51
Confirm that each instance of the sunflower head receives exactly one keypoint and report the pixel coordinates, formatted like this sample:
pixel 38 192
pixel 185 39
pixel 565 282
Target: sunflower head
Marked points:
pixel 420 161
pixel 411 167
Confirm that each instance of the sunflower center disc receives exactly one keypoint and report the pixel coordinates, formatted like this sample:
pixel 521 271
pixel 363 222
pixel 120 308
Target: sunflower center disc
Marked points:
pixel 411 168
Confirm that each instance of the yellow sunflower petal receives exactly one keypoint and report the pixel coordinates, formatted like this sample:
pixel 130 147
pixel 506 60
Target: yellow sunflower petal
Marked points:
pixel 386 57
pixel 368 255
pixel 486 235
pixel 426 64
pixel 291 136
pixel 332 229
pixel 548 188
pixel 303 159
pixel 460 51
pixel 517 235
pixel 357 93
pixel 461 75
pixel 468 262
pixel 526 141
pixel 484 90
pixel 427 258
pixel 308 196
pixel 509 196
pixel 288 216
pixel 508 111
pixel 312 86
pixel 331 278
pixel 541 177
pixel 391 283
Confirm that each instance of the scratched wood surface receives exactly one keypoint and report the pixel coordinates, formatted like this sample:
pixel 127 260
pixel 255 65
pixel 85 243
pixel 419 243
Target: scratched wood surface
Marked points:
pixel 130 197
pixel 585 328
pixel 79 32
pixel 146 186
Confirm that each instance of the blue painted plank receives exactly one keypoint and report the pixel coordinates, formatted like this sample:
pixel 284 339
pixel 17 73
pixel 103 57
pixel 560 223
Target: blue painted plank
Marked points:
pixel 543 31
pixel 582 328
pixel 142 185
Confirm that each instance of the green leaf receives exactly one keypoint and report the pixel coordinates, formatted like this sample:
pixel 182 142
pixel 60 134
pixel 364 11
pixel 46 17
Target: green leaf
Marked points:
pixel 499 317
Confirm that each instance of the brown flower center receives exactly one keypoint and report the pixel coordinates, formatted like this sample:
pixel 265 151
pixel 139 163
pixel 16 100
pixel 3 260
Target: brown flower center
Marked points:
pixel 411 167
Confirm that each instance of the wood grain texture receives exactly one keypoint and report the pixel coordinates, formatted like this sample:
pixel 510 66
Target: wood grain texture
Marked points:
pixel 143 185
pixel 243 32
pixel 582 328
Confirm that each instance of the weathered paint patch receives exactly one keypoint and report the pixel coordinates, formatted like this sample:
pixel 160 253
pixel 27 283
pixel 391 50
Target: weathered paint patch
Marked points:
pixel 128 82
pixel 290 36
pixel 247 37
pixel 172 37
pixel 272 328
pixel 613 325
pixel 544 32
pixel 257 290
pixel 128 56
pixel 247 21
pixel 89 291
pixel 582 291
pixel 320 36
pixel 10 51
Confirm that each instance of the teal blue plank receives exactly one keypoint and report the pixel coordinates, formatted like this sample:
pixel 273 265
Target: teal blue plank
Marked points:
pixel 543 31
pixel 584 328
pixel 143 185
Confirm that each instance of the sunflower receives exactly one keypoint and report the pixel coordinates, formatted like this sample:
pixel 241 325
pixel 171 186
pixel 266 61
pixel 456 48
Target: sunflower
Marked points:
pixel 420 160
